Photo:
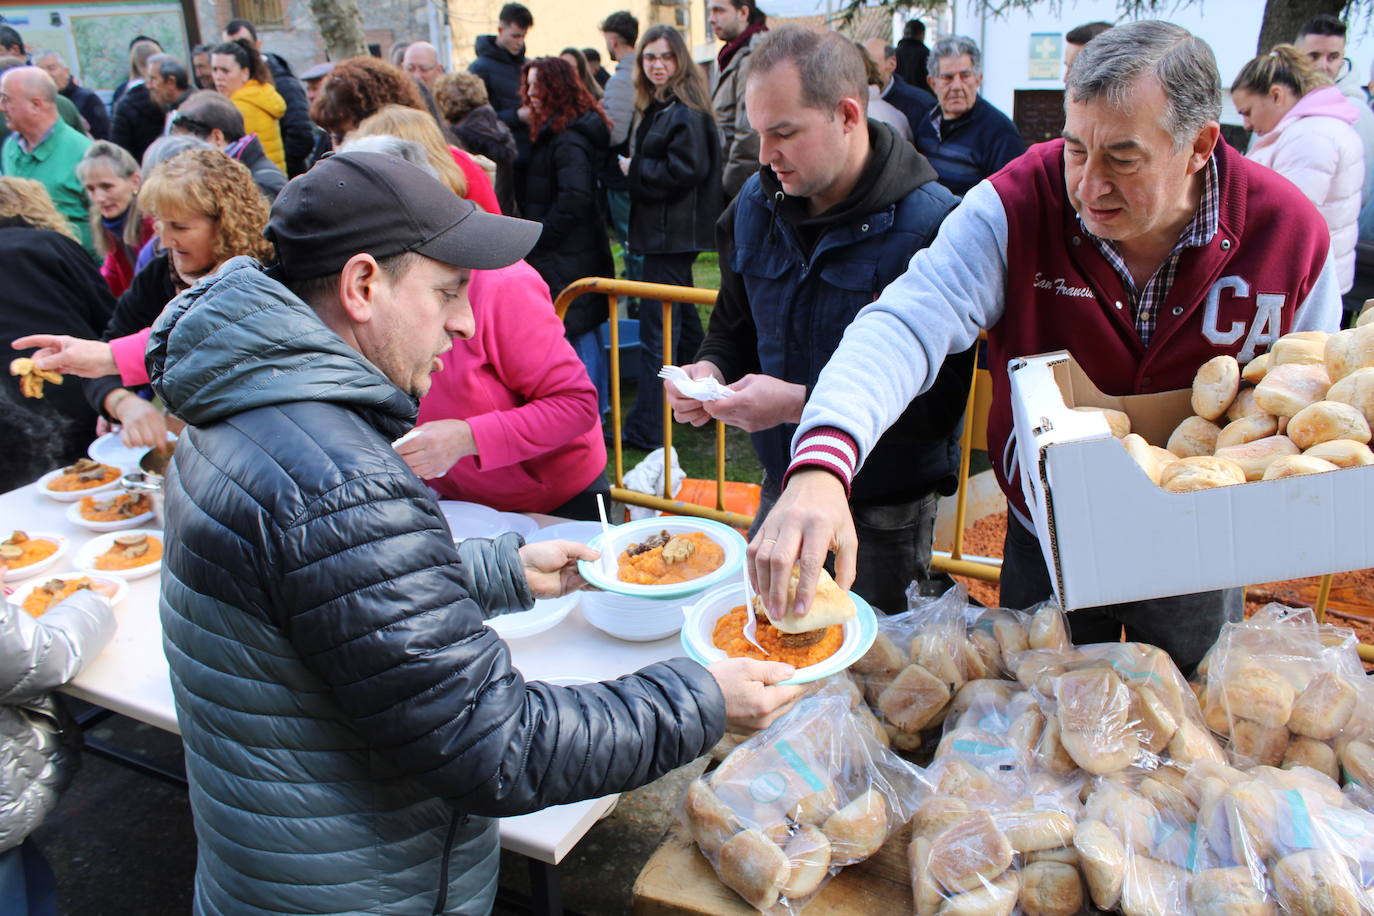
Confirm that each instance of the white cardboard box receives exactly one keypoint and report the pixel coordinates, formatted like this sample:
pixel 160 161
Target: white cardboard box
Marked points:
pixel 1110 535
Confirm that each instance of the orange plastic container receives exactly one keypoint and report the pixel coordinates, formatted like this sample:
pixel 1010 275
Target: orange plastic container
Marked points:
pixel 740 497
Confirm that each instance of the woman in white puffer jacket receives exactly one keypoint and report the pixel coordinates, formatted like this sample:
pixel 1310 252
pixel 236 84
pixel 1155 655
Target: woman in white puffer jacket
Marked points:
pixel 1303 131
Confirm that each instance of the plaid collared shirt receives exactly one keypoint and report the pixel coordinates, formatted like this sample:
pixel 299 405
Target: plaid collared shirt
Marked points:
pixel 1199 231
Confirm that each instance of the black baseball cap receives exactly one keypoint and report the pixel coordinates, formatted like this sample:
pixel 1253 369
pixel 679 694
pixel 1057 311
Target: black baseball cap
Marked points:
pixel 372 203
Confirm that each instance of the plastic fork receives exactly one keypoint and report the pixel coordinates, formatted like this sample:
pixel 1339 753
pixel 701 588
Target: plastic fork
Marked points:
pixel 673 374
pixel 751 623
pixel 606 550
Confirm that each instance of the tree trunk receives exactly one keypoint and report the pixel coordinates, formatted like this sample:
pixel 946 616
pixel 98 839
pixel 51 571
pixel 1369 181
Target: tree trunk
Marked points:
pixel 341 27
pixel 1283 18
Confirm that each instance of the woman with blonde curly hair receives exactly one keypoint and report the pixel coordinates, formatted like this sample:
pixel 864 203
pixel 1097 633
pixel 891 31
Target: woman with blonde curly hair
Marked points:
pixel 207 210
pixel 457 170
pixel 50 282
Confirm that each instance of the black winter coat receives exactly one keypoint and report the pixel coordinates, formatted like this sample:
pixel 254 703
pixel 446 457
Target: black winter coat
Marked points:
pixel 482 133
pixel 500 70
pixel 138 121
pixel 91 108
pixel 297 138
pixel 561 192
pixel 675 188
pixel 52 287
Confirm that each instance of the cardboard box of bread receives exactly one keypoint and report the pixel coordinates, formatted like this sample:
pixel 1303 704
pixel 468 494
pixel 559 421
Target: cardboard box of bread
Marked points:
pixel 1258 473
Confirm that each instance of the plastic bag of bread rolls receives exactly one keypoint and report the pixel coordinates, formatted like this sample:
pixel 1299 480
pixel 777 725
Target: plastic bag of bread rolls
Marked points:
pixel 792 805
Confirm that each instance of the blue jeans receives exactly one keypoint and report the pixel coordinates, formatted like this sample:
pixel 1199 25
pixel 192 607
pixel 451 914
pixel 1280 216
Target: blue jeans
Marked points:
pixel 27 884
pixel 588 349
pixel 618 202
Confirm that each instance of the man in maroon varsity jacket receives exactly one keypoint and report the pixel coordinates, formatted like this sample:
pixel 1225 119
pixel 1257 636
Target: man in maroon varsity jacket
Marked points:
pixel 1139 242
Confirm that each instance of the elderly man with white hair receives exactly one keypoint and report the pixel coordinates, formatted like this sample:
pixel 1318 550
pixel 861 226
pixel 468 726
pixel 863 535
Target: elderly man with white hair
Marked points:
pixel 421 62
pixel 42 146
pixel 86 101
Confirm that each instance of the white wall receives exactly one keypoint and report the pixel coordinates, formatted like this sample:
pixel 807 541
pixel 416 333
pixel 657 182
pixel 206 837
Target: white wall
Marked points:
pixel 1231 27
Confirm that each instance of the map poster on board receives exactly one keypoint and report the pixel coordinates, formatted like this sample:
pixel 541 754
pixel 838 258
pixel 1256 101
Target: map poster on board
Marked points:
pixel 94 37
pixel 1046 55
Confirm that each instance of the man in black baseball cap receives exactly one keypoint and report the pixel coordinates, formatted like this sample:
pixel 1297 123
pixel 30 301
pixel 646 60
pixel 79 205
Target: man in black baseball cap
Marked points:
pixel 351 726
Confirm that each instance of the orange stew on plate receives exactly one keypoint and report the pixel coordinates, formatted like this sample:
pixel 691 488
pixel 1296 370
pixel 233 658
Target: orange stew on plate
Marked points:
pixel 665 559
pixel 83 475
pixel 129 552
pixel 19 550
pixel 46 596
pixel 728 636
pixel 118 508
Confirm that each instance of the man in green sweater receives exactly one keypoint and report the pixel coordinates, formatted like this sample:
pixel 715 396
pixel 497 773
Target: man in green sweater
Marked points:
pixel 42 147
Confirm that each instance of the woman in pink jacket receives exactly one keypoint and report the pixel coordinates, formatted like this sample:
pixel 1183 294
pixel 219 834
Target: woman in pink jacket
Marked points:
pixel 1303 130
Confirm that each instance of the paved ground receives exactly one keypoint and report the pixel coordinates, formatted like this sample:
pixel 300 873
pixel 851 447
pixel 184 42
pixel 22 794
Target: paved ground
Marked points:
pixel 122 843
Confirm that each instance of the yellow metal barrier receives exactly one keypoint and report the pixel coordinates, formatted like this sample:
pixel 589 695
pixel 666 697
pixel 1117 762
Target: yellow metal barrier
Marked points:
pixel 667 296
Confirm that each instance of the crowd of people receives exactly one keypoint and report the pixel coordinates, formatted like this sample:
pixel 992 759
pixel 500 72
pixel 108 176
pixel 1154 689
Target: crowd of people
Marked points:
pixel 294 273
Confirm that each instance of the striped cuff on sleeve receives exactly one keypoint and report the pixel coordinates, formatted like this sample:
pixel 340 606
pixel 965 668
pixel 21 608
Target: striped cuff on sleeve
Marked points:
pixel 829 448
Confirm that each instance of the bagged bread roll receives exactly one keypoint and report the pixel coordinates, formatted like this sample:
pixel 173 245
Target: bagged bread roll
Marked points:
pixel 808 862
pixel 969 853
pixel 1314 754
pixel 1315 883
pixel 1117 421
pixel 1255 370
pixel 1050 889
pixel 1324 707
pixel 1010 635
pixel 882 658
pixel 1200 473
pixel 1297 349
pixel 1192 743
pixel 1254 458
pixel 1256 693
pixel 1349 350
pixel 1156 722
pixel 937 813
pixel 1094 720
pixel 1047 629
pixel 1154 888
pixel 1343 453
pixel 923 887
pixel 1103 860
pixel 1247 429
pixel 913 699
pixel 1032 831
pixel 1287 389
pixel 858 829
pixel 1194 436
pixel 1244 406
pixel 1327 420
pixel 1357 760
pixel 754 867
pixel 710 821
pixel 1258 744
pixel 997 898
pixel 1215 387
pixel 813 809
pixel 1229 892
pixel 1297 466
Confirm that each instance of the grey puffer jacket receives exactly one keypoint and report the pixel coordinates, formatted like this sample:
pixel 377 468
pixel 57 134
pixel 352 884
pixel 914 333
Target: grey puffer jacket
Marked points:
pixel 37 759
pixel 350 725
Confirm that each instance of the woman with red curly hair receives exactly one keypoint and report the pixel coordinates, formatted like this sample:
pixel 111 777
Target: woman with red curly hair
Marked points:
pixel 571 145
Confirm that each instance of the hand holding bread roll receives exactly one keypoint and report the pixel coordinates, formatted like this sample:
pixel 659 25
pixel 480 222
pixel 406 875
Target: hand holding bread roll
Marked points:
pixel 1200 473
pixel 1193 437
pixel 831 606
pixel 1215 387
pixel 1254 458
pixel 1327 420
pixel 1297 466
pixel 1287 389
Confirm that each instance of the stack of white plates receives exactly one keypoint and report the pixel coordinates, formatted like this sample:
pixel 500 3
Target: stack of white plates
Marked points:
pixel 632 619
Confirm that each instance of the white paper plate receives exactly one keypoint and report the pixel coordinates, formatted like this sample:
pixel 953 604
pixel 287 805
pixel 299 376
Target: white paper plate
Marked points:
pixel 581 532
pixel 76 518
pixel 522 525
pixel 72 495
pixel 471 520
pixel 546 614
pixel 859 633
pixel 85 557
pixel 121 587
pixel 33 569
pixel 622 536
pixel 110 449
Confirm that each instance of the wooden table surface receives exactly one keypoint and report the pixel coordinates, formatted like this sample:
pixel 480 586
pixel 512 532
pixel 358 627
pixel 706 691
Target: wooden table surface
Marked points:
pixel 678 881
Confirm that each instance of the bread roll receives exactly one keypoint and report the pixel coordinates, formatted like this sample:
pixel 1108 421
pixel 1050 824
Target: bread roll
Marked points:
pixel 1163 456
pixel 1167 799
pixel 1255 457
pixel 808 862
pixel 1349 350
pixel 1357 761
pixel 1256 693
pixel 1215 387
pixel 1343 453
pixel 710 820
pixel 963 780
pixel 1024 733
pixel 831 606
pixel 1247 429
pixel 1153 888
pixel 1327 420
pixel 1287 389
pixel 936 813
pixel 1031 831
pixel 1323 707
pixel 1258 744
pixel 1297 466
pixel 872 724
pixel 1314 754
pixel 1094 720
pixel 1011 637
pixel 1065 854
pixel 815 808
pixel 1366 315
pixel 1229 892
pixel 1315 883
pixel 1357 390
pixel 923 887
pixel 1244 406
pixel 997 898
pixel 882 657
pixel 913 698
pixel 985 692
pixel 985 643
pixel 1255 370
pixel 1103 860
pixel 1194 436
pixel 1050 753
pixel 1050 889
pixel 1191 744
pixel 969 852
pixel 1047 630
pixel 1117 421
pixel 754 867
pixel 1154 720
pixel 858 829
pixel 1291 349
pixel 1200 473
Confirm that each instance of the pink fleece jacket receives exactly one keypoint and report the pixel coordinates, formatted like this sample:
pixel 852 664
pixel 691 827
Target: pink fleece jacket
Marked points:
pixel 526 395
pixel 128 356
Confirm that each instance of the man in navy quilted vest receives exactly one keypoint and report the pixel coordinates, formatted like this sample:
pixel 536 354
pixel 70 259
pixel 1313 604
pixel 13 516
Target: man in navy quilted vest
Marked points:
pixel 834 215
pixel 351 726
pixel 1138 242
